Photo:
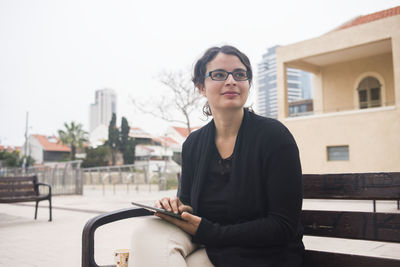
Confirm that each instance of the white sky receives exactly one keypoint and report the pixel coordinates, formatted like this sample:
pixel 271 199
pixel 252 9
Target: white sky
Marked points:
pixel 54 54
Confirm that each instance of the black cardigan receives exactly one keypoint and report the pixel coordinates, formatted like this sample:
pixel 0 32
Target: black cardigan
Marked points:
pixel 266 195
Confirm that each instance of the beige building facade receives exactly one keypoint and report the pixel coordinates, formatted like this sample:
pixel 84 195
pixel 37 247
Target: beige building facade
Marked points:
pixel 355 125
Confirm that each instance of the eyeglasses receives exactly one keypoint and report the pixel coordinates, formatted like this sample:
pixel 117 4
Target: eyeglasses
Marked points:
pixel 222 75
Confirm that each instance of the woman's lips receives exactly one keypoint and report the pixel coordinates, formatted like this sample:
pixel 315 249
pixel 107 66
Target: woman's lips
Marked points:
pixel 231 94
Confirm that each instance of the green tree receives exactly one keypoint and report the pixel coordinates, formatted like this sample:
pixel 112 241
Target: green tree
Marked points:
pixel 10 159
pixel 73 136
pixel 26 161
pixel 123 134
pixel 98 156
pixel 13 159
pixel 113 137
pixel 129 152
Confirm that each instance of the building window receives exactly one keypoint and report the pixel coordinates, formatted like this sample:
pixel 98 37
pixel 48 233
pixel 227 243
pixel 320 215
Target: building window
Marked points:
pixel 338 153
pixel 369 93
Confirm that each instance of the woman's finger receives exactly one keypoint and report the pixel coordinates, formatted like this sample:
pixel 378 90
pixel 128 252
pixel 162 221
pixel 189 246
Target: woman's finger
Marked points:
pixel 165 202
pixel 175 204
pixel 157 204
pixel 186 208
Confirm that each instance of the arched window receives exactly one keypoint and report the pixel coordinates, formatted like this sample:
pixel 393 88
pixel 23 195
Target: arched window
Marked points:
pixel 369 93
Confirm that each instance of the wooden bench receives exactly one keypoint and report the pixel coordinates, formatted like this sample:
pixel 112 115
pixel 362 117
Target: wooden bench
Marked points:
pixel 23 189
pixel 373 226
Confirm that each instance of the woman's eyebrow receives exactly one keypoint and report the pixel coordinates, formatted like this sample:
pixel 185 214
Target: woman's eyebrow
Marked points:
pixel 233 70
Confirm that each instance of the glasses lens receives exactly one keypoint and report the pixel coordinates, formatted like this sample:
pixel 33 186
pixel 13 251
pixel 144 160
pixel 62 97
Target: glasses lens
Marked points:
pixel 219 75
pixel 240 75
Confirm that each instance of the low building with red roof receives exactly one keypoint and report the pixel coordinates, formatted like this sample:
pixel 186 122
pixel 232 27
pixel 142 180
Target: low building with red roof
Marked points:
pixel 179 134
pixel 44 148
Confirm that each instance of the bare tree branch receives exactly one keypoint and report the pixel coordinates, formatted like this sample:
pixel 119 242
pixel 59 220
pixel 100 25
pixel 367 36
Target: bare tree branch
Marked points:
pixel 182 98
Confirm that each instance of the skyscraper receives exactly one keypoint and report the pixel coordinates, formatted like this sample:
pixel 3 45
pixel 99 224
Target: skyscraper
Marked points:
pixel 104 106
pixel 298 82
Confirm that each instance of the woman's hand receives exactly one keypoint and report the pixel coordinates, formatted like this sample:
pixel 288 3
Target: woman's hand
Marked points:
pixel 189 223
pixel 173 204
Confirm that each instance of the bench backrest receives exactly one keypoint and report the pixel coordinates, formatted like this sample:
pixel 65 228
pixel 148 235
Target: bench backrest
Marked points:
pixel 374 226
pixel 373 186
pixel 18 186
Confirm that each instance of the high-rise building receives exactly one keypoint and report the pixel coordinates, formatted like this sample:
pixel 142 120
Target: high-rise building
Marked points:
pixel 299 85
pixel 104 106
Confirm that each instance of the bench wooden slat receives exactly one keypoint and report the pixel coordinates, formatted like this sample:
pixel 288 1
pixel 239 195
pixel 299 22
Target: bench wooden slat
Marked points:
pixel 23 199
pixel 355 225
pixel 314 258
pixel 18 193
pixel 373 186
pixel 16 187
pixel 18 179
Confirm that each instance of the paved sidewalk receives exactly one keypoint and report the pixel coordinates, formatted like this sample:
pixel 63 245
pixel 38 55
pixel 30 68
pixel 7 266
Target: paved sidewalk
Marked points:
pixel 26 242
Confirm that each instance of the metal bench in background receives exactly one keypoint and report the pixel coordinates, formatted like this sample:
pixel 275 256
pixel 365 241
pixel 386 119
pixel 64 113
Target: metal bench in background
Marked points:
pixel 23 189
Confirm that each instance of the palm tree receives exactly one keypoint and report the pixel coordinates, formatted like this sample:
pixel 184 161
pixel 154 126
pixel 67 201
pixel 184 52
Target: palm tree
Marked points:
pixel 74 136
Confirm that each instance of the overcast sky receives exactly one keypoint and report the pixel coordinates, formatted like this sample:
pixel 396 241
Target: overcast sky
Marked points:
pixel 54 54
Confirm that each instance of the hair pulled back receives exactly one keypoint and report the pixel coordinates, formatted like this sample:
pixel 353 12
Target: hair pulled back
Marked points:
pixel 200 67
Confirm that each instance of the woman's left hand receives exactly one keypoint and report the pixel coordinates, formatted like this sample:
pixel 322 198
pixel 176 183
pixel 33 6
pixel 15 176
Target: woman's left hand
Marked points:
pixel 189 223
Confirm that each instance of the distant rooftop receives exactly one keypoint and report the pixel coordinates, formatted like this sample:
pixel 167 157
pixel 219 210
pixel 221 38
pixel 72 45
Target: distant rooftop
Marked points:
pixel 51 143
pixel 184 131
pixel 136 132
pixel 370 17
pixel 10 148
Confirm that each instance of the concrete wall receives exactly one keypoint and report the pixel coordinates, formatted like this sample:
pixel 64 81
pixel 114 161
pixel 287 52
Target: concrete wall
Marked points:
pixel 373 137
pixel 35 150
pixel 335 42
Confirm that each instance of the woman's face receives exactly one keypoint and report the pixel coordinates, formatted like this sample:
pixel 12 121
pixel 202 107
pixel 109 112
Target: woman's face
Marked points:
pixel 229 94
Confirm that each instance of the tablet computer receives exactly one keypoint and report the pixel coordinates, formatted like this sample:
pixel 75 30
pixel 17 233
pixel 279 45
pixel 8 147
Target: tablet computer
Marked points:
pixel 154 209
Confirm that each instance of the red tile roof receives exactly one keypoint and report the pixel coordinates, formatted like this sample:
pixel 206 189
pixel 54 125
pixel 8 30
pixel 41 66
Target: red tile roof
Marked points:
pixel 371 17
pixel 51 143
pixel 184 131
pixel 165 140
pixel 10 148
pixel 139 133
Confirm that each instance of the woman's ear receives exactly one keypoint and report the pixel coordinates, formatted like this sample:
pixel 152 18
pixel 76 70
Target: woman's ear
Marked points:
pixel 200 87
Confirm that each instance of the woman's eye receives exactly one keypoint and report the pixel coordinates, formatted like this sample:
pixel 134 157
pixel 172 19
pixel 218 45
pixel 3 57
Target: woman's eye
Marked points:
pixel 240 74
pixel 218 74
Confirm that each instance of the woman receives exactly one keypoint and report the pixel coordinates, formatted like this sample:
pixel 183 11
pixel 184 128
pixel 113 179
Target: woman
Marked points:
pixel 240 192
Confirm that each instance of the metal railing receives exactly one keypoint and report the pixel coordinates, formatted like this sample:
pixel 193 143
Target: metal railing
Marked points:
pixel 68 178
pixel 138 177
pixel 65 178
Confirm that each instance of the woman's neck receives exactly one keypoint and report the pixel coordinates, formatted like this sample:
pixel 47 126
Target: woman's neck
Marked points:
pixel 227 124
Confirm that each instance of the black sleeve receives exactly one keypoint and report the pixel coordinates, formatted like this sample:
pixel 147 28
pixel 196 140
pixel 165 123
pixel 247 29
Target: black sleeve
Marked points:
pixel 185 179
pixel 284 198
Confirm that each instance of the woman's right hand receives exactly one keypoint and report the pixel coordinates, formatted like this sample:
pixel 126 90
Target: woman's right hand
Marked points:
pixel 173 204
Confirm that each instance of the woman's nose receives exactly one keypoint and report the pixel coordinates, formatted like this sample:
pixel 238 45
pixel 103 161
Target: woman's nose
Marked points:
pixel 230 79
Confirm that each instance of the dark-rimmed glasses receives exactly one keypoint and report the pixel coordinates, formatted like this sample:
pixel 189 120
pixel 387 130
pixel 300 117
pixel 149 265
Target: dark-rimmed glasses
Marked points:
pixel 222 75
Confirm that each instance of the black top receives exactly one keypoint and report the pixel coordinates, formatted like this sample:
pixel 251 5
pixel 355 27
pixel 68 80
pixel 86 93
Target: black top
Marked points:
pixel 264 195
pixel 215 193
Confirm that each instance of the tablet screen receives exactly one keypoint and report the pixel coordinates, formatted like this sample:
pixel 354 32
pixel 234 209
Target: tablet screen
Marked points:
pixel 154 209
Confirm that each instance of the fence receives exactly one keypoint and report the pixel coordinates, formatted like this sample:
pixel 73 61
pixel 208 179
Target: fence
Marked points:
pixel 68 178
pixel 142 176
pixel 65 178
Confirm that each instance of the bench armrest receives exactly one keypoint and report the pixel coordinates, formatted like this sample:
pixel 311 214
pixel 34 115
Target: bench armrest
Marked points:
pixel 96 222
pixel 44 184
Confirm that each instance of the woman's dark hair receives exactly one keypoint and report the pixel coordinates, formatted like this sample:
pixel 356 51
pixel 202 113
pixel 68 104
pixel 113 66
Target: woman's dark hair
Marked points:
pixel 200 67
